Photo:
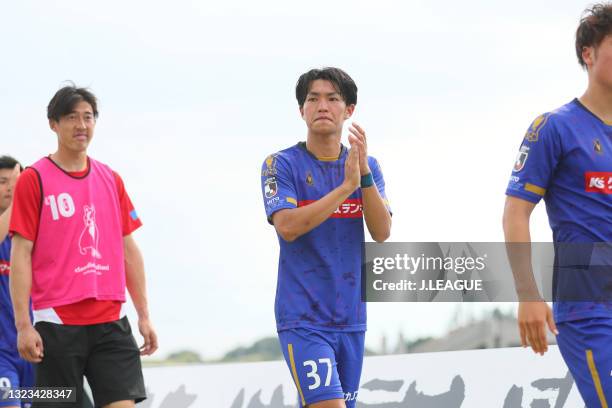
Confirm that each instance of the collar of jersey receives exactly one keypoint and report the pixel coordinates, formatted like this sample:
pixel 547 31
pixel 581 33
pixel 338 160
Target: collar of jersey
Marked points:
pixel 577 101
pixel 82 174
pixel 302 145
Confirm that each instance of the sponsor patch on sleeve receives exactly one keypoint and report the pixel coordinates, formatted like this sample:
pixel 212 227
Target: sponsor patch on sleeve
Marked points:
pixel 521 158
pixel 270 187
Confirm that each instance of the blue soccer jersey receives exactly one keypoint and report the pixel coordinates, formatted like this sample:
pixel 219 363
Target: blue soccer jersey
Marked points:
pixel 14 371
pixel 319 274
pixel 566 158
pixel 8 335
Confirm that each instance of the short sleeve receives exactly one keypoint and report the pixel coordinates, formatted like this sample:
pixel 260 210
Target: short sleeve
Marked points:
pixel 27 202
pixel 536 161
pixel 130 221
pixel 378 179
pixel 278 190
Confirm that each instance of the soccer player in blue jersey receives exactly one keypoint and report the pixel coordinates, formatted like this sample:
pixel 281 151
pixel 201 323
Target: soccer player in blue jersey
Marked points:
pixel 566 158
pixel 14 371
pixel 317 195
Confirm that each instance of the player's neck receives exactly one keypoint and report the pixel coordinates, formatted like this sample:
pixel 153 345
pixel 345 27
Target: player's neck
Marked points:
pixel 70 161
pixel 598 101
pixel 323 145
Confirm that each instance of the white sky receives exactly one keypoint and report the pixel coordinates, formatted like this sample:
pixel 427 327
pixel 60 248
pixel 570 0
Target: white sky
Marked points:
pixel 194 95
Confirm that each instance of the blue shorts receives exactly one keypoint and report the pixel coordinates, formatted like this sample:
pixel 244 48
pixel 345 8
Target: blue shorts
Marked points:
pixel 14 373
pixel 324 365
pixel 586 347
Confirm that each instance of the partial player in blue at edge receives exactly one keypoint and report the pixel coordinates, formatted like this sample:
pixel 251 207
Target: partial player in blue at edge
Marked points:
pixel 15 372
pixel 317 195
pixel 566 158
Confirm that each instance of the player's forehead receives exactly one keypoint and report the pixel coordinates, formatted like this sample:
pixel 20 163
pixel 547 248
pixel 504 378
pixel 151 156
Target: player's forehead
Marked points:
pixel 82 107
pixel 322 87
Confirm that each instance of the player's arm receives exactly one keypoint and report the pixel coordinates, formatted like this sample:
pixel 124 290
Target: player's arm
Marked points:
pixel 517 213
pixel 136 285
pixel 538 157
pixel 295 222
pixel 534 314
pixel 376 214
pixel 134 268
pixel 29 342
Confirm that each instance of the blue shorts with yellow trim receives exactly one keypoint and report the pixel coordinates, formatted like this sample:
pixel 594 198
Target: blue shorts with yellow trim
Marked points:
pixel 14 373
pixel 324 365
pixel 586 347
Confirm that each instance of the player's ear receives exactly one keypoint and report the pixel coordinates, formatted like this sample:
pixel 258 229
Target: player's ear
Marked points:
pixel 348 112
pixel 302 112
pixel 53 124
pixel 587 55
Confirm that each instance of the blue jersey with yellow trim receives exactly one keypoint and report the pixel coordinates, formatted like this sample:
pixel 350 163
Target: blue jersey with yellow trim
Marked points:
pixel 319 274
pixel 8 334
pixel 566 158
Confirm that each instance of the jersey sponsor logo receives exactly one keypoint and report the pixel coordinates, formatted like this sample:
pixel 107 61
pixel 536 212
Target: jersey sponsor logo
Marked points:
pixel 350 208
pixel 597 146
pixel 533 133
pixel 270 187
pixel 5 268
pixel 309 179
pixel 521 158
pixel 598 182
pixel 273 202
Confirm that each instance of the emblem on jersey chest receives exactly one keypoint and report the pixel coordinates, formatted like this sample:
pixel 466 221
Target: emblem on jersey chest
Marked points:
pixel 597 146
pixel 521 158
pixel 309 179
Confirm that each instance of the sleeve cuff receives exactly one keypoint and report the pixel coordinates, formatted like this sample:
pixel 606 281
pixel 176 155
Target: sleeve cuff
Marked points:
pixel 533 198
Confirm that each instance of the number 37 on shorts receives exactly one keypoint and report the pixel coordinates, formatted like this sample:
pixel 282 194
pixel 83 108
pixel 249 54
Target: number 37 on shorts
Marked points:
pixel 324 365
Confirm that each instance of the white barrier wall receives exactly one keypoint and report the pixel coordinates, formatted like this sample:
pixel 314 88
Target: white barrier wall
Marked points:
pixel 504 378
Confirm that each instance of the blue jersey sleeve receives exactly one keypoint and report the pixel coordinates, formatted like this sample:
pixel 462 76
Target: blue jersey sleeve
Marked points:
pixel 378 179
pixel 536 161
pixel 277 186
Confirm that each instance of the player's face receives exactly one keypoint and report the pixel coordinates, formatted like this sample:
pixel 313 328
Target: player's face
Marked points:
pixel 324 109
pixel 5 191
pixel 75 130
pixel 599 61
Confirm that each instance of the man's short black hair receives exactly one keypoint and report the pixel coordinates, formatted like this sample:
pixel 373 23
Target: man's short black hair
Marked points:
pixel 64 101
pixel 343 83
pixel 595 24
pixel 8 162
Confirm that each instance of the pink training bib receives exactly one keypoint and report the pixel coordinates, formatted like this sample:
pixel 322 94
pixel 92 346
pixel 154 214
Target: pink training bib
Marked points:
pixel 78 252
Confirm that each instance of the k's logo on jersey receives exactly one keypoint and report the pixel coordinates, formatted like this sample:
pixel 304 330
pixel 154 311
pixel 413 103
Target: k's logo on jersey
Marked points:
pixel 309 179
pixel 533 133
pixel 597 146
